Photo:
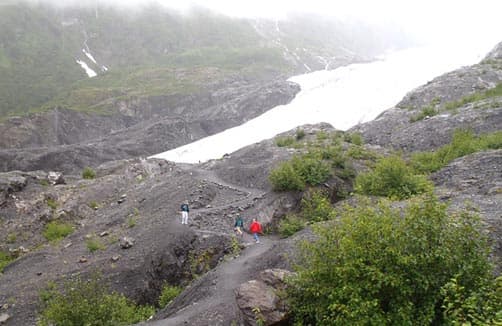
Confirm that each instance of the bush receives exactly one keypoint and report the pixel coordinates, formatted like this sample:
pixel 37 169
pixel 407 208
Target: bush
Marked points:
pixel 168 293
pixel 392 178
pixel 311 169
pixel 88 173
pixel 94 244
pixel 354 138
pixel 89 303
pixel 316 206
pixel 300 134
pixel 55 231
pixel 379 265
pixel 285 178
pixel 5 259
pixel 290 225
pixel 480 307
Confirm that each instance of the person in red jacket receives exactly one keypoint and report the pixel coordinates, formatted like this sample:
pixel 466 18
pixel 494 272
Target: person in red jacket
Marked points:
pixel 255 228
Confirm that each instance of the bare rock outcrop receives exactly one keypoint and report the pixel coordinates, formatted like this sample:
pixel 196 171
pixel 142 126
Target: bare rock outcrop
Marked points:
pixel 260 300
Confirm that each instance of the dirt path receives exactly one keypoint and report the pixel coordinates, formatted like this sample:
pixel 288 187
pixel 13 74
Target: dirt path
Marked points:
pixel 211 299
pixel 218 286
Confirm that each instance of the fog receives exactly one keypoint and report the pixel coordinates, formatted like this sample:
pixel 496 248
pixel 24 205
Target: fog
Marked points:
pixel 427 21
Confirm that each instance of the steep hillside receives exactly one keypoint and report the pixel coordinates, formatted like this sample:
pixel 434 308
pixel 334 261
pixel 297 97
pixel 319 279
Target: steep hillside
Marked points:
pixel 44 49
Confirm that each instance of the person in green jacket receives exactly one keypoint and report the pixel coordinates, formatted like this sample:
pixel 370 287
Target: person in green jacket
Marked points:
pixel 239 225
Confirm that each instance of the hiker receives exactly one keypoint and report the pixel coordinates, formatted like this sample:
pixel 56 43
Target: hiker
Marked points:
pixel 239 225
pixel 255 228
pixel 184 213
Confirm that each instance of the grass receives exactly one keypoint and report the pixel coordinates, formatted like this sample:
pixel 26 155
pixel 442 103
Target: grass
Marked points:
pixel 55 231
pixel 493 92
pixel 464 142
pixel 94 244
pixel 88 173
pixel 52 203
pixel 5 259
pixel 427 111
pixel 169 292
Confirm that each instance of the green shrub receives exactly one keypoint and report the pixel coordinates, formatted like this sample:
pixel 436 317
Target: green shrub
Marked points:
pixel 392 178
pixel 482 306
pixel 93 205
pixel 284 141
pixel 55 231
pixel 311 169
pixel 88 173
pixel 168 293
pixel 463 142
pixel 51 203
pixel 427 111
pixel 354 138
pixel 93 244
pixel 300 134
pixel 285 178
pixel 89 303
pixel 316 206
pixel 290 225
pixel 5 259
pixel 321 135
pixel 379 265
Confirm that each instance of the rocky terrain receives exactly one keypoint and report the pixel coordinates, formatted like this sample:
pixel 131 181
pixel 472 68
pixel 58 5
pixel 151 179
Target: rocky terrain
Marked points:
pixel 56 140
pixel 131 210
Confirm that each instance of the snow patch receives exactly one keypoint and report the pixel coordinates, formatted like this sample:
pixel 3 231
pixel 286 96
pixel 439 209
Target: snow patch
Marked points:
pixel 89 55
pixel 91 73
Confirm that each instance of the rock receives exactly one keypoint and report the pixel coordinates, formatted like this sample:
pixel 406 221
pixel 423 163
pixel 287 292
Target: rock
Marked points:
pixel 126 242
pixel 82 260
pixel 259 299
pixel 55 178
pixel 4 317
pixel 115 258
pixel 104 233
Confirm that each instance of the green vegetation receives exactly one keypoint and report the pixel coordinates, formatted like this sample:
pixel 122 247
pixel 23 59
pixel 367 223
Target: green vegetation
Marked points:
pixel 131 222
pixel 299 171
pixel 354 138
pixel 314 207
pixel 291 224
pixel 52 203
pixel 88 173
pixel 427 111
pixel 300 134
pixel 5 259
pixel 11 238
pixel 169 292
pixel 284 141
pixel 88 302
pixel 493 92
pixel 55 231
pixel 324 157
pixel 93 244
pixel 464 142
pixel 379 265
pixel 392 178
pixel 93 204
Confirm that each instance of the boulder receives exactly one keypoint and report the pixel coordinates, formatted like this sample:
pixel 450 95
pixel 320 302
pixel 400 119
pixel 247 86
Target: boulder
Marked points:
pixel 259 300
pixel 55 178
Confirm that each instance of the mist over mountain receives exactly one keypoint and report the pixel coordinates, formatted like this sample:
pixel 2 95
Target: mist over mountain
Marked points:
pixel 47 51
